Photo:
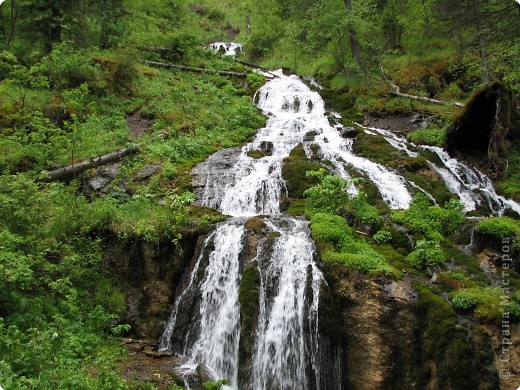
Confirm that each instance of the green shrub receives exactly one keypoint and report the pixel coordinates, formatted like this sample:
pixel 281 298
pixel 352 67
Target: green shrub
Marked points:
pixel 426 253
pixel 487 302
pixel 217 385
pixel 362 211
pixel 432 135
pixel 67 68
pixel 183 47
pixel 464 301
pixel 382 237
pixel 432 221
pixel 255 81
pixel 366 261
pixel 328 195
pixel 329 228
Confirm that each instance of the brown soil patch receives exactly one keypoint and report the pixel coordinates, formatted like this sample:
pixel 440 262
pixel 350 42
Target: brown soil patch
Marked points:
pixel 143 364
pixel 137 124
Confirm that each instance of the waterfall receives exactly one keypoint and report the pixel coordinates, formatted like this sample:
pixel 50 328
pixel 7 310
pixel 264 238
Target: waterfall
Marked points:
pixel 230 48
pixel 286 349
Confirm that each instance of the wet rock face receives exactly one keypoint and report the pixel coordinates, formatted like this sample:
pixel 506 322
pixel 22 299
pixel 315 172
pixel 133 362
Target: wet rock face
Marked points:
pixel 219 166
pixel 147 172
pixel 348 132
pixel 149 274
pixel 377 325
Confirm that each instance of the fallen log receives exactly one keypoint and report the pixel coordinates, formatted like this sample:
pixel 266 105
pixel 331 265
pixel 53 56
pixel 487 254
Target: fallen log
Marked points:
pixel 76 168
pixel 397 91
pixel 197 70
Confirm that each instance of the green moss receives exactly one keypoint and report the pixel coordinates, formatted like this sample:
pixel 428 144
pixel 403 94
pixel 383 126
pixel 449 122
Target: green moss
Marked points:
pixel 310 135
pixel 389 253
pixel 485 301
pixel 255 153
pixel 433 221
pixel 429 136
pixel 442 343
pixel 315 149
pixel 339 245
pixel 272 237
pixel 205 215
pixel 471 264
pixel 296 208
pixel 377 149
pixel 248 296
pixel 499 227
pixel 294 173
pixel 510 188
pixel 430 181
pixel 298 151
pixel 510 185
pixel 416 164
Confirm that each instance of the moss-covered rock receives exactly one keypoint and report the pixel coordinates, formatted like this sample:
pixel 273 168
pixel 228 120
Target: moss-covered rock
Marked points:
pixel 255 225
pixel 445 357
pixel 248 296
pixel 294 173
pixel 255 153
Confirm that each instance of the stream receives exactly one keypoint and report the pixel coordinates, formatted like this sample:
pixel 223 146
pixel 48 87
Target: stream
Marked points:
pixel 285 348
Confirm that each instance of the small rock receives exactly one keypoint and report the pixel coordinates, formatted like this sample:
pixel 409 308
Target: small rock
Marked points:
pixel 348 132
pixel 417 118
pixel 157 354
pixel 266 147
pixel 104 176
pixel 147 172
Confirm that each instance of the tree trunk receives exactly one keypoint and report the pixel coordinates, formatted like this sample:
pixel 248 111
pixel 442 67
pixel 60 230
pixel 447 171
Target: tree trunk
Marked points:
pixel 248 25
pixel 355 47
pixel 398 92
pixel 14 15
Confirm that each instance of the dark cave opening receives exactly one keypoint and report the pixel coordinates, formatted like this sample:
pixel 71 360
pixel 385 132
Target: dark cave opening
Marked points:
pixel 471 132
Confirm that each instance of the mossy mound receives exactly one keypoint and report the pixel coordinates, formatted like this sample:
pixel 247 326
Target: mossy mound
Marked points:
pixel 255 153
pixel 255 225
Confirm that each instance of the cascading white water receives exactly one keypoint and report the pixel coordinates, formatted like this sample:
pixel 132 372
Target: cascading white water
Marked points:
pixel 231 48
pixel 217 345
pixel 472 186
pixel 293 110
pixel 282 353
pixel 165 340
pixel 476 182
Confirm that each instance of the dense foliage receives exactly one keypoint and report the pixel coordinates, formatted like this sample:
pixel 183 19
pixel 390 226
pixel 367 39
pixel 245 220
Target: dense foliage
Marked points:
pixel 72 77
